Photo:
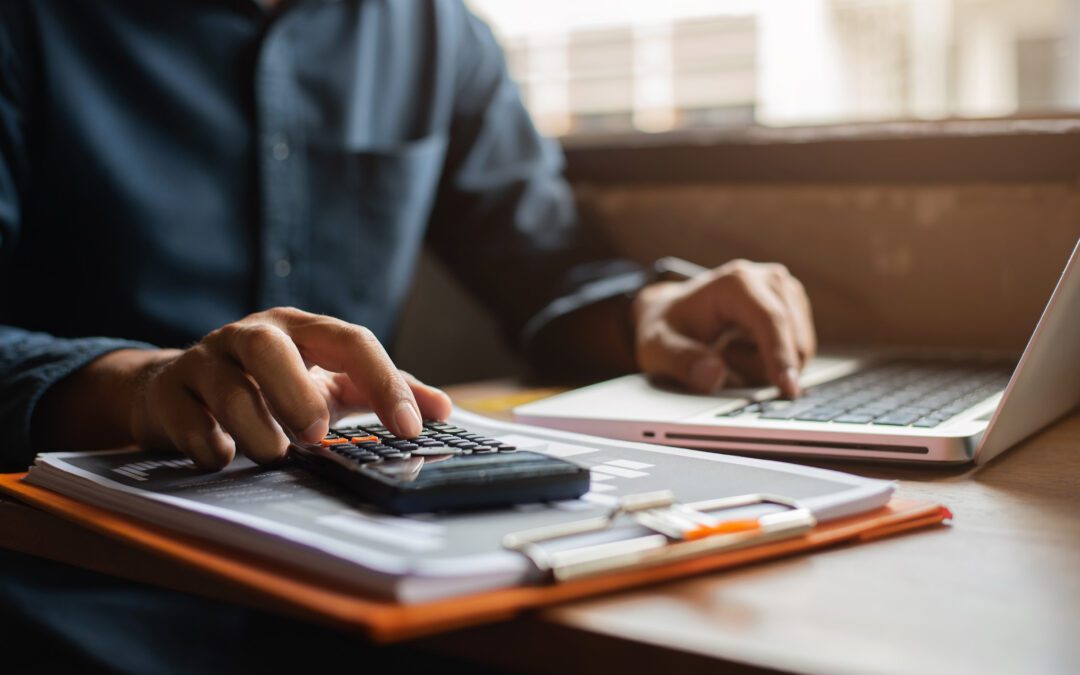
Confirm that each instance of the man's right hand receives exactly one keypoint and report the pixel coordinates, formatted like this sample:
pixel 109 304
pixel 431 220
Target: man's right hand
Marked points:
pixel 242 386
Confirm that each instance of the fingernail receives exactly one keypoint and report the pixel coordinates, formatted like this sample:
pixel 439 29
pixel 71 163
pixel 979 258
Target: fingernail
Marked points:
pixel 708 374
pixel 315 432
pixel 789 382
pixel 407 420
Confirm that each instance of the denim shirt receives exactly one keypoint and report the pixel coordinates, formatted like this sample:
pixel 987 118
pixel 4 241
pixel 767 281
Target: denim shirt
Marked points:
pixel 168 167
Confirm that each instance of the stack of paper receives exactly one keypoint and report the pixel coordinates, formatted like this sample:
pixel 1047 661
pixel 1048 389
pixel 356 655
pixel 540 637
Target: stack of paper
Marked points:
pixel 317 528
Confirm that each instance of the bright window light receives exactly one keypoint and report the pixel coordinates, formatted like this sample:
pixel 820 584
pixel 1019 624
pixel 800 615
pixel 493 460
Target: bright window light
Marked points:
pixel 596 66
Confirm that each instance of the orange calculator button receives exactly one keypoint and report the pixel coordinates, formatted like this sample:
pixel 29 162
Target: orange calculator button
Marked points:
pixel 333 441
pixel 364 439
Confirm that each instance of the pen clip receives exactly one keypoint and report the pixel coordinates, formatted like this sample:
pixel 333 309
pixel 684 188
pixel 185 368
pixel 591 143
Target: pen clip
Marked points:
pixel 679 531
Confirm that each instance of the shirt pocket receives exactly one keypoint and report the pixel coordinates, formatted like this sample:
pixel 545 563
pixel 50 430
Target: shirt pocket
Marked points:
pixel 383 197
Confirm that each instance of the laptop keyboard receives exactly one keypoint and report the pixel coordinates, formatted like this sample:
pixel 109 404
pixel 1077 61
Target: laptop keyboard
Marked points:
pixel 901 393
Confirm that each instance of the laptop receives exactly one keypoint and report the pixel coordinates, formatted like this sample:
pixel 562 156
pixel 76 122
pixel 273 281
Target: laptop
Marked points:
pixel 888 404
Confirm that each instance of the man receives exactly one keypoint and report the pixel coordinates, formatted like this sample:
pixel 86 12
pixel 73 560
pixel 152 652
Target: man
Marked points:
pixel 235 195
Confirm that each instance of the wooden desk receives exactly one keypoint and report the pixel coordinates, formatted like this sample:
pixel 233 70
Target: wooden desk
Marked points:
pixel 998 592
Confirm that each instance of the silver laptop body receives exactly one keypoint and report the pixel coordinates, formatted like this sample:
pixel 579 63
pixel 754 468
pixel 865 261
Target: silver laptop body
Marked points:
pixel 891 405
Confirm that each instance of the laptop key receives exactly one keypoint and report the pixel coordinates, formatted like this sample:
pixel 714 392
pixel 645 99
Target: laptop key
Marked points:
pixel 927 422
pixel 854 418
pixel 902 419
pixel 788 412
pixel 818 415
pixel 775 415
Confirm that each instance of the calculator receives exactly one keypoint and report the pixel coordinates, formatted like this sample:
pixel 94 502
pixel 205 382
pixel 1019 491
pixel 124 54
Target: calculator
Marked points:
pixel 446 468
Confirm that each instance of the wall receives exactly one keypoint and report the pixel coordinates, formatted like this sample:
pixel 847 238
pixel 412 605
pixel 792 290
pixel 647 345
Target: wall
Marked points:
pixel 929 234
pixel 926 264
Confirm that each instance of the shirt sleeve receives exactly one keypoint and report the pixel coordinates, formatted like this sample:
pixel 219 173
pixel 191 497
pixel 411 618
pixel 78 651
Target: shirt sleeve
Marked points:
pixel 29 362
pixel 505 220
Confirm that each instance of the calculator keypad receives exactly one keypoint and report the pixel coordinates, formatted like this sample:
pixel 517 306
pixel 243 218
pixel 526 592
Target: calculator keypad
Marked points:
pixel 374 443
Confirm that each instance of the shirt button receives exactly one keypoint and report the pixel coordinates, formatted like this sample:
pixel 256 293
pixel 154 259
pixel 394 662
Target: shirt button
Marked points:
pixel 280 149
pixel 282 268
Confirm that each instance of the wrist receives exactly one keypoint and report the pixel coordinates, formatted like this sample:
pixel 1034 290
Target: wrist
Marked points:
pixel 130 372
pixel 96 406
pixel 648 302
pixel 646 307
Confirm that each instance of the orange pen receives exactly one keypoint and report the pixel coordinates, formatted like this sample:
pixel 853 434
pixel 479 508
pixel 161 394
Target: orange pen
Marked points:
pixel 726 527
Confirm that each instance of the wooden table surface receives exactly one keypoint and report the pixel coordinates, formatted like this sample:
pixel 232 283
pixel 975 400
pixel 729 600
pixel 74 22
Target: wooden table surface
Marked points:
pixel 996 592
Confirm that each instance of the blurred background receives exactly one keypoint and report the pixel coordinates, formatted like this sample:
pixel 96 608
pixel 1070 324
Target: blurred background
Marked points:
pixel 916 163
pixel 592 66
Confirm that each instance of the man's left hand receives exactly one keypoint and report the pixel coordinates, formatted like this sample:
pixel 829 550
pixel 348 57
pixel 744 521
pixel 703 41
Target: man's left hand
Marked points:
pixel 739 323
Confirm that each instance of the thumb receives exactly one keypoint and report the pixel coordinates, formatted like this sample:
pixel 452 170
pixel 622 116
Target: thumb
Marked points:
pixel 671 354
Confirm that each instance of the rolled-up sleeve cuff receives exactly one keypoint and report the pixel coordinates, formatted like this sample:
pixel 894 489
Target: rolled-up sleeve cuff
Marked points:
pixel 46 364
pixel 623 282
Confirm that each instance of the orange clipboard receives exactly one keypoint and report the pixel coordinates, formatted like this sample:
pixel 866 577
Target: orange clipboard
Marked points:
pixel 385 621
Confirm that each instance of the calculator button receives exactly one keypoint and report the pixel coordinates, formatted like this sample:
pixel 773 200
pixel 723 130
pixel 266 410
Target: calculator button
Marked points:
pixel 483 449
pixel 507 448
pixel 364 439
pixel 435 452
pixel 333 441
